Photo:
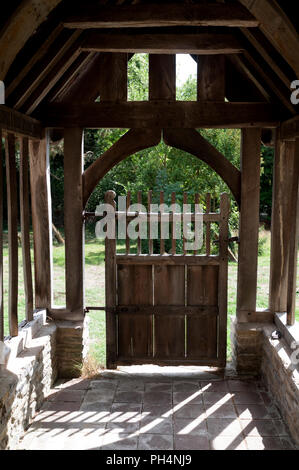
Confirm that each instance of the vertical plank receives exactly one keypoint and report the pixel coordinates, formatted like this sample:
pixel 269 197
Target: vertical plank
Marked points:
pixel 110 291
pixel 41 221
pixel 134 285
pixel 12 209
pixel 211 78
pixel 139 200
pixel 169 330
pixel 281 224
pixel 150 241
pixel 208 225
pixel 249 221
pixel 1 242
pixel 73 222
pixel 185 201
pixel 162 241
pixel 173 239
pixel 162 77
pixel 223 273
pixel 294 238
pixel 128 203
pixel 25 226
pixel 113 81
pixel 196 209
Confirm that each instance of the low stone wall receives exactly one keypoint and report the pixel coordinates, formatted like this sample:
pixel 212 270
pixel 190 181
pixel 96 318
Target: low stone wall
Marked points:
pixel 280 375
pixel 29 372
pixel 247 347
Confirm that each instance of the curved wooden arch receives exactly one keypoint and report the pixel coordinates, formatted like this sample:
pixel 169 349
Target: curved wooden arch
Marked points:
pixel 189 140
pixel 131 142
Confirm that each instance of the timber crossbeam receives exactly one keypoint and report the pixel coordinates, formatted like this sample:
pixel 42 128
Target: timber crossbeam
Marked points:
pixel 18 123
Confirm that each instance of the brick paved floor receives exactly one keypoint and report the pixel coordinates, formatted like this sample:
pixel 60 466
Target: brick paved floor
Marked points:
pixel 125 411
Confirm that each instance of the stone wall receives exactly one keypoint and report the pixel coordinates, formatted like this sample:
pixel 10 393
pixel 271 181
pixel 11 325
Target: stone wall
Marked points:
pixel 246 342
pixel 29 372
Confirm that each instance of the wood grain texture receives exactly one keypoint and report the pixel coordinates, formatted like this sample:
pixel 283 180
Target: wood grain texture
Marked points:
pixel 1 243
pixel 41 221
pixel 25 227
pixel 162 77
pixel 20 124
pixel 211 78
pixel 113 77
pixel 249 219
pixel 12 218
pixel 73 226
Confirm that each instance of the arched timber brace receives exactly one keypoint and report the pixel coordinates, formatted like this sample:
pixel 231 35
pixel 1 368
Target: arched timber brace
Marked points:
pixel 192 142
pixel 133 141
pixel 41 221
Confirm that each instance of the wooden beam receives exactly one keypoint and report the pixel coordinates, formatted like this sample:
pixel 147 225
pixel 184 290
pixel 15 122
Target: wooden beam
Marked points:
pixel 25 226
pixel 278 28
pixel 113 81
pixel 163 43
pixel 156 15
pixel 281 223
pixel 189 140
pixel 238 87
pixel 1 242
pixel 133 141
pixel 12 217
pixel 294 238
pixel 249 221
pixel 20 26
pixel 41 221
pixel 20 124
pixel 73 226
pixel 290 129
pixel 160 114
pixel 211 78
pixel 162 77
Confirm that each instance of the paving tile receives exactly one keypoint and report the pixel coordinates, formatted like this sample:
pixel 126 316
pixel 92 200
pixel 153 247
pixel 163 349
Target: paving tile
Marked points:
pixel 228 443
pixel 130 385
pixel 190 427
pixel 190 411
pixel 191 443
pixel 128 397
pixel 103 386
pixel 224 427
pixel 119 441
pixel 220 411
pixel 155 442
pixel 267 399
pixel 154 409
pixel 247 398
pixel 191 397
pixel 253 412
pixel 259 427
pixel 155 425
pixel 264 443
pixel 158 387
pixel 70 395
pixel 64 406
pixel 99 396
pixel 126 407
pixel 186 387
pixel 216 397
pixel 280 427
pixel 241 386
pixel 287 443
pixel 157 397
pixel 96 407
pixel 273 411
pixel 214 386
pixel 123 426
pixel 77 384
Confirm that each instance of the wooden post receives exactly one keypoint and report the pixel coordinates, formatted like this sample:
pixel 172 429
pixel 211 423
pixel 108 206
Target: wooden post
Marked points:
pixel 249 223
pixel 113 79
pixel 110 287
pixel 162 77
pixel 12 215
pixel 211 77
pixel 1 242
pixel 73 223
pixel 41 221
pixel 25 227
pixel 282 227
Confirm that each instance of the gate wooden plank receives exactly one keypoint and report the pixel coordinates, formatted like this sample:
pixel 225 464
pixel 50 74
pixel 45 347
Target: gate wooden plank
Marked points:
pixel 169 330
pixel 135 285
pixel 12 216
pixel 202 289
pixel 1 242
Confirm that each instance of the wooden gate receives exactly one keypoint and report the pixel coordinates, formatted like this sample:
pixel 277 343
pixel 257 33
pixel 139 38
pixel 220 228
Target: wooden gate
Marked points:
pixel 168 308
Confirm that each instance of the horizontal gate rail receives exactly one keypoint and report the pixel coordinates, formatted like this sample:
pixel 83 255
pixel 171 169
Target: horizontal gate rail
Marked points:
pixel 167 259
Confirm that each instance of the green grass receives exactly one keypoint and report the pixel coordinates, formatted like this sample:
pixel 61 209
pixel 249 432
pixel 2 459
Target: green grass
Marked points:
pixel 95 287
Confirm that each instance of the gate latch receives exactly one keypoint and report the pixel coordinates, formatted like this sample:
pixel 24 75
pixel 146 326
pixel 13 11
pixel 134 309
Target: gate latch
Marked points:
pixel 230 240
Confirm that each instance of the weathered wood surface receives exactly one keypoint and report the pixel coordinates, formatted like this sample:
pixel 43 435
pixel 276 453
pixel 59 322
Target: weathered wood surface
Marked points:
pixel 211 78
pixel 289 130
pixel 110 293
pixel 25 227
pixel 20 124
pixel 41 221
pixel 278 28
pixel 249 220
pixel 12 217
pixel 203 43
pixel 151 15
pixel 223 273
pixel 73 226
pixel 162 77
pixel 1 243
pixel 167 259
pixel 192 142
pixel 132 142
pixel 113 81
pixel 164 114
